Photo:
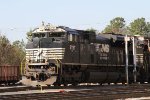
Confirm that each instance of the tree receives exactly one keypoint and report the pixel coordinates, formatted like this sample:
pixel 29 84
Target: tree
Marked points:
pixel 139 27
pixel 19 48
pixel 19 44
pixel 5 49
pixel 148 26
pixel 108 29
pixel 116 25
pixel 91 30
pixel 29 34
pixel 11 54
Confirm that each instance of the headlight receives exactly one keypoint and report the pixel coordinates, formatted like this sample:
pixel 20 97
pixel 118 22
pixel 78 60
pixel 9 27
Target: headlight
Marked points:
pixel 41 67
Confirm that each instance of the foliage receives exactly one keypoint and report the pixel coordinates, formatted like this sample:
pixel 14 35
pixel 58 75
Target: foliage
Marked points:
pixel 117 25
pixel 139 27
pixel 11 54
pixel 29 34
pixel 107 29
pixel 91 30
pixel 19 48
pixel 4 50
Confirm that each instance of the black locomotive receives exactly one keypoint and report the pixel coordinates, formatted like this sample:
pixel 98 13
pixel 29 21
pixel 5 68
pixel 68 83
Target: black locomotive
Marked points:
pixel 61 55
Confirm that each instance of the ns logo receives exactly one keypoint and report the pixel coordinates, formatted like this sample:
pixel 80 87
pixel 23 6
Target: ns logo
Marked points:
pixel 102 48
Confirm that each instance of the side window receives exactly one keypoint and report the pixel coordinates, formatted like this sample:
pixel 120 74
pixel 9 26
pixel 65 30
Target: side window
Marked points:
pixel 86 38
pixel 70 38
pixel 75 37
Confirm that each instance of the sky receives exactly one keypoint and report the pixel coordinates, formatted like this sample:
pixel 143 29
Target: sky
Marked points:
pixel 17 17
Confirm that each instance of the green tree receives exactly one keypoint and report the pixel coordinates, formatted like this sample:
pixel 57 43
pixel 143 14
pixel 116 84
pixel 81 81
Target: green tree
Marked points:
pixel 19 44
pixel 139 27
pixel 148 26
pixel 29 34
pixel 117 25
pixel 5 50
pixel 19 48
pixel 108 29
pixel 91 30
pixel 11 54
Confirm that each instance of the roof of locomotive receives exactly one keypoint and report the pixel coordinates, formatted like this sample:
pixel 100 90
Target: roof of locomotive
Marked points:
pixel 70 30
pixel 100 37
pixel 51 28
pixel 116 37
pixel 48 28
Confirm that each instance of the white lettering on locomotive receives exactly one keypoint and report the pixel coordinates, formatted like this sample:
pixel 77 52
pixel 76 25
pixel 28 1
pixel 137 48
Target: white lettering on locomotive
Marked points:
pixel 102 48
pixel 72 47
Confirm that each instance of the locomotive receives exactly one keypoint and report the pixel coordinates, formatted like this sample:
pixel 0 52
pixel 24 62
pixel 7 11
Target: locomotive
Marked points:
pixel 61 55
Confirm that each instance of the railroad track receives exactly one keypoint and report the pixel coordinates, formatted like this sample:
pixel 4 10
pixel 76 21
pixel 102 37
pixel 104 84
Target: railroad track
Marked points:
pixel 107 92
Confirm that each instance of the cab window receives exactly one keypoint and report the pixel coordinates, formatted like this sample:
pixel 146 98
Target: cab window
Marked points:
pixel 56 34
pixel 39 35
pixel 72 37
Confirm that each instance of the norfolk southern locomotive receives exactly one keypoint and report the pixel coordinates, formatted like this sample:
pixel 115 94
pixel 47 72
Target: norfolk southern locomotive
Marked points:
pixel 61 55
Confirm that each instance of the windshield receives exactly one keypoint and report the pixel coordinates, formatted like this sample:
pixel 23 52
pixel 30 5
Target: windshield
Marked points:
pixel 49 34
pixel 56 34
pixel 39 35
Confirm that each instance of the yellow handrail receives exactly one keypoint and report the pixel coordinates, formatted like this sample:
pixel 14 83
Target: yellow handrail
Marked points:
pixel 22 65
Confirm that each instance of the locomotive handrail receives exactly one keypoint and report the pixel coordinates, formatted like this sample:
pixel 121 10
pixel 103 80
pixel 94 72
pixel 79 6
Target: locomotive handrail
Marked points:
pixel 22 65
pixel 57 61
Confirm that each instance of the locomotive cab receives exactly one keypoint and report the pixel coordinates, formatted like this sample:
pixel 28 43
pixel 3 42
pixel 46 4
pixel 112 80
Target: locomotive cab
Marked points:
pixel 43 54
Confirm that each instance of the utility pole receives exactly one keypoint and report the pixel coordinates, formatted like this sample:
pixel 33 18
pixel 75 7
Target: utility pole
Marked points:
pixel 126 53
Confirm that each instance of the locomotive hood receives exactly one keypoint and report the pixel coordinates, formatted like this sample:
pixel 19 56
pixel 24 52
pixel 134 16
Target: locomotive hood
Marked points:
pixel 102 39
pixel 115 37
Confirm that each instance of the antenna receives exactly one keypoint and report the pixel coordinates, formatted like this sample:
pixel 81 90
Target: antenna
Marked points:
pixel 42 23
